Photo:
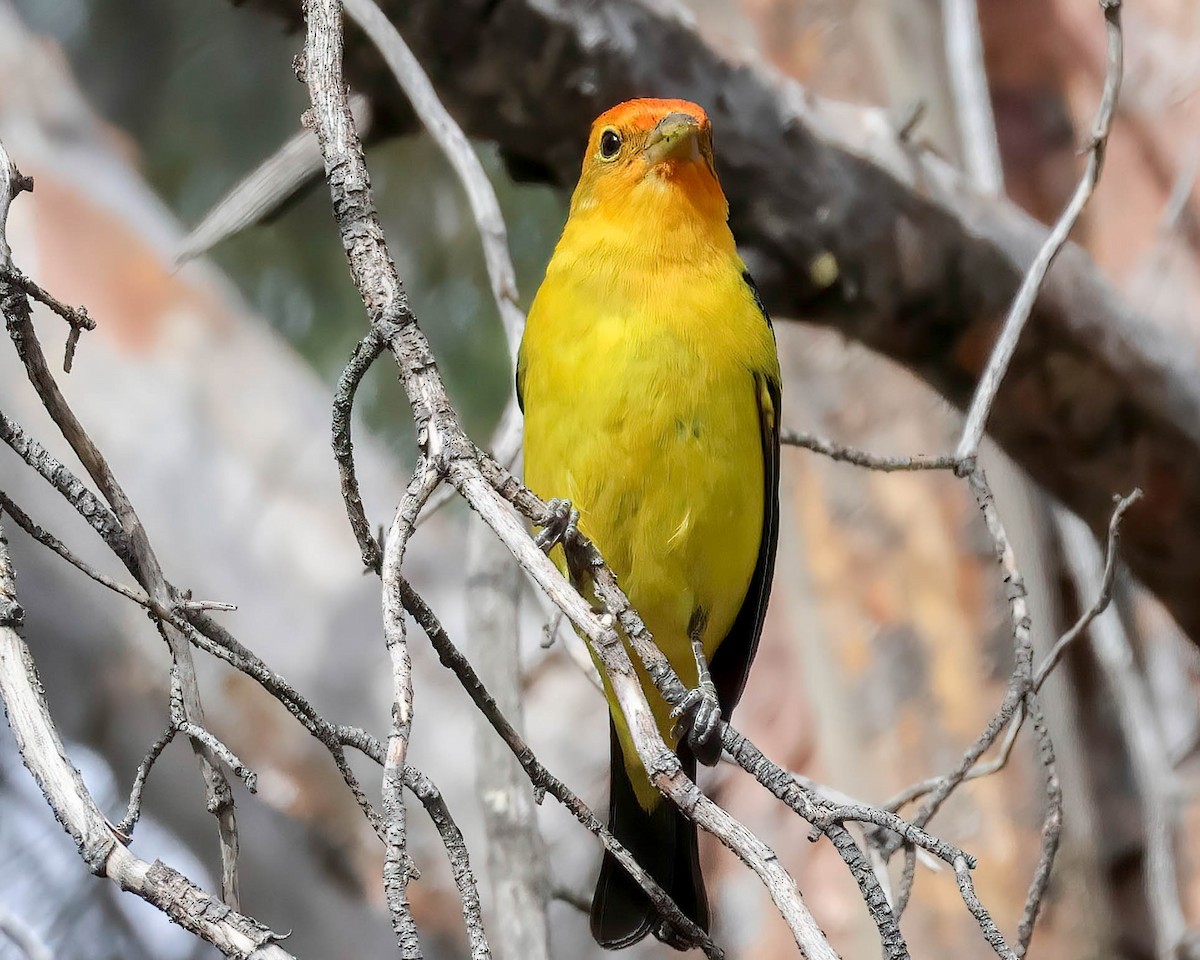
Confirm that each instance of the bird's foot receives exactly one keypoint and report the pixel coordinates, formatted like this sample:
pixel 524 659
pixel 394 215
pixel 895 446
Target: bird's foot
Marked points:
pixel 562 523
pixel 696 718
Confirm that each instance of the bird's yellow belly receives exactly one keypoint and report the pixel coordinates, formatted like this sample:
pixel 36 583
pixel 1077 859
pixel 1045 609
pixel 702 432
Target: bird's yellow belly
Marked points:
pixel 659 448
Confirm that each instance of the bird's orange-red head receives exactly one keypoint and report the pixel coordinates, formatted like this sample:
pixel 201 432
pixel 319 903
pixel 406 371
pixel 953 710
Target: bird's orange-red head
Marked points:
pixel 646 149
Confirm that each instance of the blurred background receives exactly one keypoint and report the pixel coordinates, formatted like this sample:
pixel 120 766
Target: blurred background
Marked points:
pixel 888 644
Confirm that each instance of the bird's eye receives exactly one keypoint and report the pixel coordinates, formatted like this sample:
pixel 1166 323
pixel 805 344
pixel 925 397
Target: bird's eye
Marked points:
pixel 610 145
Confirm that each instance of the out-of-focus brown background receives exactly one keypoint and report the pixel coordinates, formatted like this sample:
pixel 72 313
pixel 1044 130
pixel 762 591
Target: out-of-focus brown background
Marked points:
pixel 887 646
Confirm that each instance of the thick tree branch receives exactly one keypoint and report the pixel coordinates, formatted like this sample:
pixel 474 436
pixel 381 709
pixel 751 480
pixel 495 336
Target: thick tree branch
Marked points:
pixel 1097 400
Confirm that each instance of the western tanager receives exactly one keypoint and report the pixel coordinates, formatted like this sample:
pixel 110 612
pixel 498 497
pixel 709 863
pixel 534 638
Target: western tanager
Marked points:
pixel 650 385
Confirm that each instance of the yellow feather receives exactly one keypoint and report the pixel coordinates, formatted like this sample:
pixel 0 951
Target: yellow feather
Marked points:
pixel 637 375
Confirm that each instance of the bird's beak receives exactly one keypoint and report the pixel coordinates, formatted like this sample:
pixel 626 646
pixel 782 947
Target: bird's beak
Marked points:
pixel 676 137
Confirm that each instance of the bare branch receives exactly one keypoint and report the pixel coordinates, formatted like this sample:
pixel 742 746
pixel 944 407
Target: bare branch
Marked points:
pixel 369 349
pixel 456 849
pixel 398 868
pixel 1022 305
pixel 133 811
pixel 991 933
pixel 23 936
pixel 73 490
pixel 140 557
pixel 1103 593
pixel 972 100
pixel 261 192
pixel 1147 751
pixel 543 781
pixel 211 741
pixel 860 458
pixel 77 317
pixel 43 753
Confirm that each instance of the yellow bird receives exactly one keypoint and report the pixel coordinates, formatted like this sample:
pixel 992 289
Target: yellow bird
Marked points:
pixel 650 384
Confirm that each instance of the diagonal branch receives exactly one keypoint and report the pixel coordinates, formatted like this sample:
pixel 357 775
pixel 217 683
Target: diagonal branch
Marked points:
pixel 1035 276
pixel 43 753
pixel 926 264
pixel 140 558
pixel 442 442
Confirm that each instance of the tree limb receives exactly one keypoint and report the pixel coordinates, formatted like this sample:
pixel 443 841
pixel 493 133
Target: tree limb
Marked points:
pixel 43 753
pixel 140 557
pixel 1097 400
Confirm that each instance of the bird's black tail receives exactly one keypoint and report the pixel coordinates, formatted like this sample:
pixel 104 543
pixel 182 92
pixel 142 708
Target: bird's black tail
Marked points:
pixel 663 841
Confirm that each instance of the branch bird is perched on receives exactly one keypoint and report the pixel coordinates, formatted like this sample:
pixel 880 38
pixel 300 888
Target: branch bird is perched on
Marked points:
pixel 650 385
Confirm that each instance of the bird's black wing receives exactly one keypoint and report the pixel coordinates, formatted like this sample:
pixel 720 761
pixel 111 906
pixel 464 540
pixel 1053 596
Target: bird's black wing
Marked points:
pixel 730 664
pixel 519 376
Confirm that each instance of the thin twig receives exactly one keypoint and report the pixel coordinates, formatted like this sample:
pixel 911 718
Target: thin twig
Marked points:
pixel 369 349
pixel 77 317
pixel 12 183
pixel 991 933
pixel 99 846
pixel 199 734
pixel 1022 305
pixel 860 458
pixel 398 867
pixel 133 811
pixel 140 558
pixel 1148 758
pixel 456 850
pixel 544 782
pixel 72 489
pixel 1103 593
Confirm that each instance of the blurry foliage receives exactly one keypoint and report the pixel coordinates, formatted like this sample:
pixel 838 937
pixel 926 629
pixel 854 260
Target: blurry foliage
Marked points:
pixel 207 91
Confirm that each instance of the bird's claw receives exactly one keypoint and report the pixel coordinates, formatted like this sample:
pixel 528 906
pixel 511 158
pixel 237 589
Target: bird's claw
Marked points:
pixel 562 523
pixel 696 717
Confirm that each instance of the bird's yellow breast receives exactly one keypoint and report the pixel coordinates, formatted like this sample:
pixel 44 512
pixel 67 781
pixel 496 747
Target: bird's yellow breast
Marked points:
pixel 641 408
